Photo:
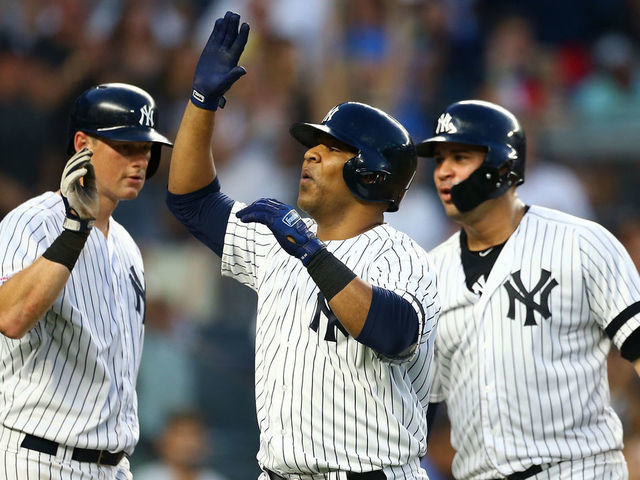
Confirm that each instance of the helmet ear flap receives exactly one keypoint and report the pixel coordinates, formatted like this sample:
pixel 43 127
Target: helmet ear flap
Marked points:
pixel 509 174
pixel 513 178
pixel 352 174
pixel 154 160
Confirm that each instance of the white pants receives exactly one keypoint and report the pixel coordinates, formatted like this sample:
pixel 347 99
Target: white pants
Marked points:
pixel 18 463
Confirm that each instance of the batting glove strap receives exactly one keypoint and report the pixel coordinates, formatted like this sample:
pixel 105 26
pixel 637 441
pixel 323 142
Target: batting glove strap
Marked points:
pixel 78 225
pixel 310 250
pixel 73 222
pixel 201 101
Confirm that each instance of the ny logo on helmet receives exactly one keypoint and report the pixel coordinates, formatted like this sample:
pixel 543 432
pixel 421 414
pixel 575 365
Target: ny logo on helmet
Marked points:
pixel 445 124
pixel 328 116
pixel 146 116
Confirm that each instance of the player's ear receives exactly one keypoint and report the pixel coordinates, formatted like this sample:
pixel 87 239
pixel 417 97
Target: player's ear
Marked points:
pixel 81 140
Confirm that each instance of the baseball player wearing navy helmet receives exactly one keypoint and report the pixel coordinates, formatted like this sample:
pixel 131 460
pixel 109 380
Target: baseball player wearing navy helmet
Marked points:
pixel 347 304
pixel 532 300
pixel 72 301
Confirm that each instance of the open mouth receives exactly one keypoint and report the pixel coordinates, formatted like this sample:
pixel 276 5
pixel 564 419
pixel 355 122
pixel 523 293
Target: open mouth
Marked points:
pixel 445 193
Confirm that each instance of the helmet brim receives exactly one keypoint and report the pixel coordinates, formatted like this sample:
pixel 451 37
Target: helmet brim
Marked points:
pixel 426 147
pixel 124 134
pixel 307 133
pixel 132 134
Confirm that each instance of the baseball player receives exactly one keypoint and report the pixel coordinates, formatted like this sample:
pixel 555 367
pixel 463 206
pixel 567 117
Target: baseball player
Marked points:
pixel 532 300
pixel 347 304
pixel 72 300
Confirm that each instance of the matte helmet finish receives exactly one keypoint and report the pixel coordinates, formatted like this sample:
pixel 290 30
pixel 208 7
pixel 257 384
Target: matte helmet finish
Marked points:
pixel 386 160
pixel 118 111
pixel 480 123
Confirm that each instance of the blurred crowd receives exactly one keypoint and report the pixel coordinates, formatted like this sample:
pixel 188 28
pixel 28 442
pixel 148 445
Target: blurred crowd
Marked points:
pixel 570 70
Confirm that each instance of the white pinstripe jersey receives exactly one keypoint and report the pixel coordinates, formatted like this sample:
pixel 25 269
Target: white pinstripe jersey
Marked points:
pixel 525 385
pixel 324 401
pixel 71 379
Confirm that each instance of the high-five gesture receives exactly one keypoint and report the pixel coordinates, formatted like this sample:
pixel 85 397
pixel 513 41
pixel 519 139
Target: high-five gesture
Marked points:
pixel 218 67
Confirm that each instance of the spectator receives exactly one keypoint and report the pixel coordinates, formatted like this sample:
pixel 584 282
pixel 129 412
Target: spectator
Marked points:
pixel 182 448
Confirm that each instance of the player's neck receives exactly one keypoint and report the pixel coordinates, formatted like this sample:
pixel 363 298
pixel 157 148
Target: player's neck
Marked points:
pixel 347 226
pixel 107 207
pixel 493 222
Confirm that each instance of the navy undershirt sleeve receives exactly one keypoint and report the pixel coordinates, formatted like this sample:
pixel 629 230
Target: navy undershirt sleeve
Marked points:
pixel 205 213
pixel 392 324
pixel 431 417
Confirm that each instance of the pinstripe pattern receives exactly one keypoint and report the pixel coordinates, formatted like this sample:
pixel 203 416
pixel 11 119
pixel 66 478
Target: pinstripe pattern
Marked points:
pixel 521 394
pixel 71 379
pixel 333 405
pixel 22 464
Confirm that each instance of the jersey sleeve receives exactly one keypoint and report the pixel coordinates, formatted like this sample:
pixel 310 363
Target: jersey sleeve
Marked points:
pixel 247 246
pixel 404 269
pixel 613 288
pixel 437 392
pixel 25 234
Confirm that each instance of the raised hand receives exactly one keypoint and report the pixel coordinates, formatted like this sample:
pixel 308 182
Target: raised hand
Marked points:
pixel 218 67
pixel 81 201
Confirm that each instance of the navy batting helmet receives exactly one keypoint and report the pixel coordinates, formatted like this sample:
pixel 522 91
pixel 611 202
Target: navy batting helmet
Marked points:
pixel 118 111
pixel 386 160
pixel 480 123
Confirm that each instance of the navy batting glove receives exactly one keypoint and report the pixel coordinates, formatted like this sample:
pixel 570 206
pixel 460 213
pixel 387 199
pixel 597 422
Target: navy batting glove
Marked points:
pixel 218 67
pixel 286 225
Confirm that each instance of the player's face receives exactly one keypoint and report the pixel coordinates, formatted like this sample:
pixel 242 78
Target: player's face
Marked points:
pixel 120 167
pixel 322 188
pixel 454 163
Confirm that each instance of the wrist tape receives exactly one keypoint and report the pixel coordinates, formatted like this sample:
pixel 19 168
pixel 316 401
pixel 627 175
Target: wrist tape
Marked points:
pixel 329 273
pixel 66 248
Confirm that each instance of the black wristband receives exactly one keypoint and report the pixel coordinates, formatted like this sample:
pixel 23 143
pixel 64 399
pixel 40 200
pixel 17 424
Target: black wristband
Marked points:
pixel 66 248
pixel 329 273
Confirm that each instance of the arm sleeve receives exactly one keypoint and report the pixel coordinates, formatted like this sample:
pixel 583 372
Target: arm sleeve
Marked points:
pixel 392 324
pixel 432 409
pixel 205 213
pixel 403 268
pixel 613 289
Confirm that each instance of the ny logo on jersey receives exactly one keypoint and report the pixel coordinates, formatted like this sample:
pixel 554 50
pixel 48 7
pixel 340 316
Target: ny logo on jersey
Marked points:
pixel 139 290
pixel 333 322
pixel 146 116
pixel 520 293
pixel 445 124
pixel 478 285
